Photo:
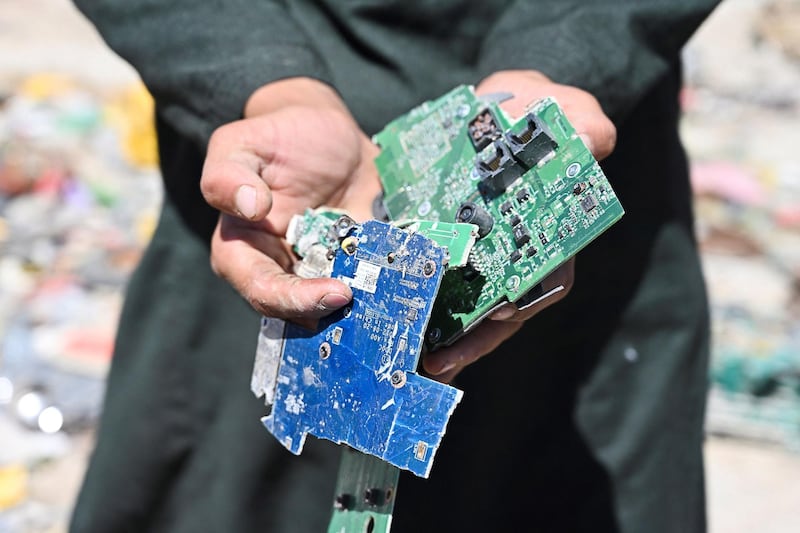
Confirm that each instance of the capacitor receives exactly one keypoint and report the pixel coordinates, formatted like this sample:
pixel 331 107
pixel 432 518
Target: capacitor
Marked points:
pixel 472 213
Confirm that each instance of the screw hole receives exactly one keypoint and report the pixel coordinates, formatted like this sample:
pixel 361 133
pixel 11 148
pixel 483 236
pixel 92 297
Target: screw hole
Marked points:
pixel 428 268
pixel 324 350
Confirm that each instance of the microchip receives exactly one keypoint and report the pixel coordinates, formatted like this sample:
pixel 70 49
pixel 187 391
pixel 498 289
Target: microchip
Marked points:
pixel 515 220
pixel 516 255
pixel 506 208
pixel 523 195
pixel 530 252
pixel 588 203
pixel 521 236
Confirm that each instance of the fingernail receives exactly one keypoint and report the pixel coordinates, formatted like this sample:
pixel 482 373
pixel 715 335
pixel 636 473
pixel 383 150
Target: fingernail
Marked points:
pixel 333 301
pixel 504 313
pixel 246 201
pixel 445 368
pixel 587 141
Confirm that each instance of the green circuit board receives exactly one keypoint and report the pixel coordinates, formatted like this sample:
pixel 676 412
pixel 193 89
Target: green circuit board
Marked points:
pixel 533 189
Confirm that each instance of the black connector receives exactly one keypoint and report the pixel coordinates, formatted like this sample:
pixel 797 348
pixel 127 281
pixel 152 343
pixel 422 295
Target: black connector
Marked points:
pixel 498 171
pixel 532 144
pixel 483 129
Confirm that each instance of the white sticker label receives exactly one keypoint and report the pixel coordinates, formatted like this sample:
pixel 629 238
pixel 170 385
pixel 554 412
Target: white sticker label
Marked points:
pixel 366 277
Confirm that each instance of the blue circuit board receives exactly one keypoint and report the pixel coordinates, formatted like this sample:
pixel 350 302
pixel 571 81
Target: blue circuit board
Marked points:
pixel 353 380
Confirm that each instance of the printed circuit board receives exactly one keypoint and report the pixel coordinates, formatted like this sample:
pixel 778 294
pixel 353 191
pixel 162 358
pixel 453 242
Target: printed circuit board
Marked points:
pixel 534 190
pixel 353 379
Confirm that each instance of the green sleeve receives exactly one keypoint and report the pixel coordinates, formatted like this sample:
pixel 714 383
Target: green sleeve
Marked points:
pixel 202 60
pixel 615 49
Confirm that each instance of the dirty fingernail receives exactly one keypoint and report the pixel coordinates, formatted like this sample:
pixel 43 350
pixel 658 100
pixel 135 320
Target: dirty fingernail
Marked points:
pixel 445 368
pixel 246 201
pixel 333 301
pixel 504 313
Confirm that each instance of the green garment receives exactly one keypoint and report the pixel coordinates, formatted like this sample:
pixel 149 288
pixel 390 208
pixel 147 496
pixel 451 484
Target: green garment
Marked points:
pixel 589 419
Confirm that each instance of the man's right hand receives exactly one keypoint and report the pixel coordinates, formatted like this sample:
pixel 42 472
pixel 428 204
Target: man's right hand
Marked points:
pixel 297 147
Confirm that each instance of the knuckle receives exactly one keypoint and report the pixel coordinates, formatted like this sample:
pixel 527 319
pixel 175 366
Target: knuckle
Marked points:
pixel 219 135
pixel 611 134
pixel 206 187
pixel 217 266
pixel 214 263
pixel 275 295
pixel 258 298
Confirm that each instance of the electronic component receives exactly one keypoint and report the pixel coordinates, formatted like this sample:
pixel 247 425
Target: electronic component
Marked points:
pixel 483 130
pixel 521 236
pixel 588 202
pixel 365 494
pixel 530 167
pixel 472 213
pixel 530 141
pixel 497 171
pixel 353 379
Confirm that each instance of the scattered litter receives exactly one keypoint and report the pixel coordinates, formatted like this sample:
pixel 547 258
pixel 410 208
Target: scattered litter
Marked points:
pixel 79 197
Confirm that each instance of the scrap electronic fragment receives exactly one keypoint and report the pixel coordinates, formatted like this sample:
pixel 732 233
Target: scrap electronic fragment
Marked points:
pixel 482 209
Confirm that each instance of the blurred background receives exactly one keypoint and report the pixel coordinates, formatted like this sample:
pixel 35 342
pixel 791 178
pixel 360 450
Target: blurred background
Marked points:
pixel 79 197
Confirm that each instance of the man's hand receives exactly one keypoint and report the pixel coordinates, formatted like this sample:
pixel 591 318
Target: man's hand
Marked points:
pixel 599 136
pixel 297 147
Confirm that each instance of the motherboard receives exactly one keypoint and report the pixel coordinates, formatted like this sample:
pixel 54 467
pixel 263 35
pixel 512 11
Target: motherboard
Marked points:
pixel 534 190
pixel 353 379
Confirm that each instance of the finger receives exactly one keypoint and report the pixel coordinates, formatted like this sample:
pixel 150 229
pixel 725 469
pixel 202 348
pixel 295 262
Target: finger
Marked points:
pixel 555 288
pixel 596 131
pixel 232 179
pixel 587 117
pixel 445 363
pixel 525 87
pixel 258 265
